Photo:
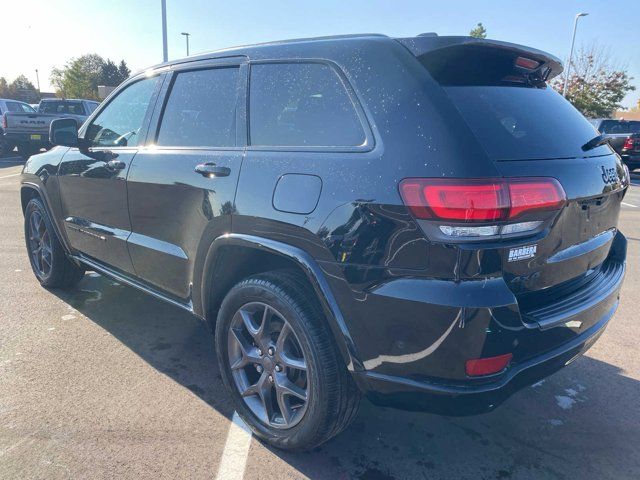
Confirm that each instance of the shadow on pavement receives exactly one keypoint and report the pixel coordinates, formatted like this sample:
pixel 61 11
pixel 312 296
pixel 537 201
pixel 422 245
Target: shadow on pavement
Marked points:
pixel 584 422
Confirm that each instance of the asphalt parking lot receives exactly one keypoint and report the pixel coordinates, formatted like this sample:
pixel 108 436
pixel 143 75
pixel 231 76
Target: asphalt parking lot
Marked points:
pixel 106 382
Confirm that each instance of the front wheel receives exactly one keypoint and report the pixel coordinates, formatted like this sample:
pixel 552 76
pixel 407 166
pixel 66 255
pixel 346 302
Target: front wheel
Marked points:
pixel 49 263
pixel 281 364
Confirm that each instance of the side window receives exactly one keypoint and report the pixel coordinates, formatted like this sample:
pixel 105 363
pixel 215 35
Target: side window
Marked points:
pixel 201 109
pixel 119 123
pixel 19 107
pixel 301 104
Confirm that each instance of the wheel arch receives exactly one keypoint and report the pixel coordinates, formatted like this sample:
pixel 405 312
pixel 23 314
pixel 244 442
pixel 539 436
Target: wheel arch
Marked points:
pixel 28 191
pixel 233 257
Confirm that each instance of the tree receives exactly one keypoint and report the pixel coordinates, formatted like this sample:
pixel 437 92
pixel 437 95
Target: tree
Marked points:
pixel 596 86
pixel 479 31
pixel 22 89
pixel 124 71
pixel 4 88
pixel 81 76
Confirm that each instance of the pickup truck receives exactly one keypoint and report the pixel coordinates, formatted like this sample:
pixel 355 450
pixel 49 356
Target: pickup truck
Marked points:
pixel 30 130
pixel 9 105
pixel 624 138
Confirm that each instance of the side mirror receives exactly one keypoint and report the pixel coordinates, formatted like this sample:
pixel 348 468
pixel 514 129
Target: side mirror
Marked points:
pixel 64 131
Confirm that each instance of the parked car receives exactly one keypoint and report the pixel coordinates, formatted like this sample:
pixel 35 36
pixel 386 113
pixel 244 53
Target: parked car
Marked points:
pixel 619 133
pixel 30 130
pixel 630 151
pixel 9 105
pixel 351 215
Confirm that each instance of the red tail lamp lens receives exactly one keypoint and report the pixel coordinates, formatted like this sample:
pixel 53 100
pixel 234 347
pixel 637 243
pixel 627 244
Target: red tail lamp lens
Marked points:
pixel 476 200
pixel 487 366
pixel 628 144
pixel 535 195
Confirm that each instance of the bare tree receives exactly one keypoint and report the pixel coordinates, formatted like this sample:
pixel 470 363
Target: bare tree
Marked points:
pixel 597 83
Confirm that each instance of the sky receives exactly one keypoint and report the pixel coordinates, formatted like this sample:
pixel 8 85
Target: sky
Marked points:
pixel 42 34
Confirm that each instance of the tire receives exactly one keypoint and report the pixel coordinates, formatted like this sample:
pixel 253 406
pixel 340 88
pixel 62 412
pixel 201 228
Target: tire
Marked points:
pixel 332 398
pixel 5 148
pixel 51 266
pixel 25 150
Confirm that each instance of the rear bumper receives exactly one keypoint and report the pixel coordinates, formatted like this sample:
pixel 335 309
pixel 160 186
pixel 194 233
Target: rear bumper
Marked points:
pixel 460 400
pixel 25 138
pixel 414 336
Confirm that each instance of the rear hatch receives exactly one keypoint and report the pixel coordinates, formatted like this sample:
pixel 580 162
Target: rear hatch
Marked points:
pixel 528 130
pixel 28 123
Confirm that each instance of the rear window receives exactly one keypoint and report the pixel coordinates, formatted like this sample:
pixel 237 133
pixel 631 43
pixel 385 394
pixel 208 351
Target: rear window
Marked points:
pixel 66 107
pixel 301 104
pixel 617 126
pixel 516 123
pixel 503 96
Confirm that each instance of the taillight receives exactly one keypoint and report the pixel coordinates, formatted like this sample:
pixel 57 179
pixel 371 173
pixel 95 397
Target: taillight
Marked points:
pixel 4 122
pixel 462 200
pixel 487 366
pixel 628 144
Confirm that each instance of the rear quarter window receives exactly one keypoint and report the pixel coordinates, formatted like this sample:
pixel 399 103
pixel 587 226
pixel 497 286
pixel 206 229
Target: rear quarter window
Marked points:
pixel 301 105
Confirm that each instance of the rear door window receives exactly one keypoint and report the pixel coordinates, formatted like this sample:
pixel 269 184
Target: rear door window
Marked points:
pixel 301 104
pixel 201 109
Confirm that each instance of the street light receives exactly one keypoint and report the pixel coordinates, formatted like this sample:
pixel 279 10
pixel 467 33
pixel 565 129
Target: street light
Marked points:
pixel 573 40
pixel 165 54
pixel 186 34
pixel 38 80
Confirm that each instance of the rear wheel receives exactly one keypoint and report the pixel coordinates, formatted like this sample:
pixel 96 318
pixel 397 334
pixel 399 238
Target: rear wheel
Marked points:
pixel 49 263
pixel 279 360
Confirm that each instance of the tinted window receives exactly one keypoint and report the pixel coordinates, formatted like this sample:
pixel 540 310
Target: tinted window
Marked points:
pixel 63 106
pixel 19 107
pixel 201 109
pixel 119 123
pixel 514 123
pixel 301 104
pixel 616 126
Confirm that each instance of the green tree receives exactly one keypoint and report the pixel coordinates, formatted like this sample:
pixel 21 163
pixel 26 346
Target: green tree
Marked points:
pixel 4 88
pixel 124 71
pixel 479 31
pixel 596 86
pixel 22 89
pixel 79 78
pixel 109 74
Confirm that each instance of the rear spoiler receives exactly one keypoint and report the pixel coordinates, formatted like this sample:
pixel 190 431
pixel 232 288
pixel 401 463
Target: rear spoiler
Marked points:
pixel 433 46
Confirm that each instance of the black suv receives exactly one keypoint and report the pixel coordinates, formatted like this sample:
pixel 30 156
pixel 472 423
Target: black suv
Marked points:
pixel 421 220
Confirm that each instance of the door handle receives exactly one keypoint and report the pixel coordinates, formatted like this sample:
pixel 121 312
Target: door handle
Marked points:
pixel 212 170
pixel 114 165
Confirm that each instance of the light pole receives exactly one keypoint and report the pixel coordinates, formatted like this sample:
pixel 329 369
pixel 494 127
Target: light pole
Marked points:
pixel 165 54
pixel 38 80
pixel 573 40
pixel 186 34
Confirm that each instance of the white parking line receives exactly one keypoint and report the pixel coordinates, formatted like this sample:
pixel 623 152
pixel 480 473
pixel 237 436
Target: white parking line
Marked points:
pixel 236 450
pixel 629 205
pixel 12 175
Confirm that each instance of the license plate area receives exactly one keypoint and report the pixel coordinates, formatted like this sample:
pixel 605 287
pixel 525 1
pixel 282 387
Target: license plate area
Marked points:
pixel 35 137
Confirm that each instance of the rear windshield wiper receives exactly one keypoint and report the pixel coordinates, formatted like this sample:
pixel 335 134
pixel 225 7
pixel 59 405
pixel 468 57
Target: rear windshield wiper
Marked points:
pixel 596 142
